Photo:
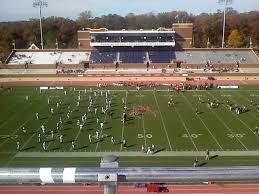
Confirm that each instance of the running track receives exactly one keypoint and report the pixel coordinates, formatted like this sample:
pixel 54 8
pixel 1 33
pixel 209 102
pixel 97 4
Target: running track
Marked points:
pixel 173 189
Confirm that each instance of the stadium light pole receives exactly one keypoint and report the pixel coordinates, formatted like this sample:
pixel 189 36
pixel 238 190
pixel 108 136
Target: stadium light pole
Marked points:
pixel 40 4
pixel 226 2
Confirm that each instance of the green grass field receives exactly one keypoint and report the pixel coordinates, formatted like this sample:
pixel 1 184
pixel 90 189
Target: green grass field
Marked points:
pixel 178 133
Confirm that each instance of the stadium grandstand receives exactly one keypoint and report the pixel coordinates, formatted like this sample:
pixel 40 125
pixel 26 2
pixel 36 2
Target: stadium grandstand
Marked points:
pixel 101 49
pixel 188 56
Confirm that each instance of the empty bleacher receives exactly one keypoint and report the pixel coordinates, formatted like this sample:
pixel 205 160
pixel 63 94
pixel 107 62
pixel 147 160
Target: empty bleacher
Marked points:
pixel 161 56
pixel 189 56
pixel 22 58
pixel 132 56
pixel 216 56
pixel 103 57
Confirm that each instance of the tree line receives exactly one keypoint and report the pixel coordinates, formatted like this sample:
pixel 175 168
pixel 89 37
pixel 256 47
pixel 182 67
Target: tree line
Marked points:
pixel 240 28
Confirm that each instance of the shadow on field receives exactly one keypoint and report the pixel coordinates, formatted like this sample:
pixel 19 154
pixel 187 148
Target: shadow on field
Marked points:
pixel 202 164
pixel 68 141
pixel 100 140
pixel 53 149
pixel 205 163
pixel 65 129
pixel 69 122
pixel 28 148
pixel 50 140
pixel 160 150
pixel 212 157
pixel 132 145
pixel 130 119
pixel 82 147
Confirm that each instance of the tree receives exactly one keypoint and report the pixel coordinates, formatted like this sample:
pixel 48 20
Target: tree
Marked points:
pixel 84 18
pixel 234 39
pixel 255 34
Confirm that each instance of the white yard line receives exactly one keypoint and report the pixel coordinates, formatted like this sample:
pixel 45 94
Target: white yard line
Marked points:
pixel 15 131
pixel 42 124
pixel 186 129
pixel 9 161
pixel 79 131
pixel 229 129
pixel 29 139
pixel 100 133
pixel 244 97
pixel 63 122
pixel 215 139
pixel 143 125
pixel 247 127
pixel 163 122
pixel 123 126
pixel 144 131
pixel 12 116
pixel 18 128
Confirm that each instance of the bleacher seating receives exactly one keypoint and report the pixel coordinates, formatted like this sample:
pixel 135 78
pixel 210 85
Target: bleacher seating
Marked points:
pixel 216 56
pixel 191 56
pixel 103 57
pixel 161 56
pixel 132 57
pixel 22 58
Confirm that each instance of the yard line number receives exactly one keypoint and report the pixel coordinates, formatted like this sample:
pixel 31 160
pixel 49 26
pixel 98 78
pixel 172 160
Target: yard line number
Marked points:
pixel 149 136
pixel 193 135
pixel 235 135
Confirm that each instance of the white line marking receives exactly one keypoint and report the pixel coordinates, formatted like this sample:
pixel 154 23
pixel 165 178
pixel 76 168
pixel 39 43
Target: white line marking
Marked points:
pixel 229 129
pixel 123 126
pixel 50 117
pixel 104 120
pixel 186 129
pixel 244 123
pixel 244 97
pixel 203 123
pixel 79 131
pixel 162 121
pixel 17 129
pixel 143 126
pixel 13 115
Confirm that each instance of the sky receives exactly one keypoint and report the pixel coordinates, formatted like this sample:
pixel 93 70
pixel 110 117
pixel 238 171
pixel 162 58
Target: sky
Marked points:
pixel 13 10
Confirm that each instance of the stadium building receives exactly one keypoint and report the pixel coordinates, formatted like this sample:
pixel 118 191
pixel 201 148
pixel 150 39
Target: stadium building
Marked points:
pixel 134 51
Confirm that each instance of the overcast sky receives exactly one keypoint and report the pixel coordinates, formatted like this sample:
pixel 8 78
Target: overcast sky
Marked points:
pixel 11 10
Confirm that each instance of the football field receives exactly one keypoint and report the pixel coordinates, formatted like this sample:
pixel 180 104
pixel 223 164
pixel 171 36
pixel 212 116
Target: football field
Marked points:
pixel 180 132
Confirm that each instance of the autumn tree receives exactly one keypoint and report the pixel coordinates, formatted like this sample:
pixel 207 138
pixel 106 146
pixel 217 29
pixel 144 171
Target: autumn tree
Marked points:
pixel 234 39
pixel 240 27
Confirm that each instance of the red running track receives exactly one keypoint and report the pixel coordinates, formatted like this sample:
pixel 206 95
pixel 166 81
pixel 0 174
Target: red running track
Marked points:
pixel 173 189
